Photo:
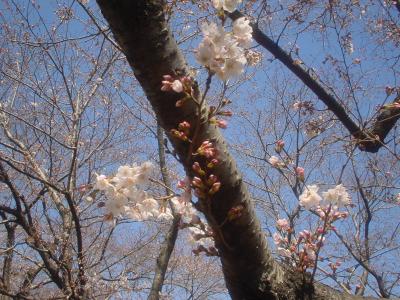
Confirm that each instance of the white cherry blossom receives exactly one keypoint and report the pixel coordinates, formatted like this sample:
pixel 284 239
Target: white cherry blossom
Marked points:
pixel 102 183
pixel 243 31
pixel 310 198
pixel 284 252
pixel 228 5
pixel 185 209
pixel 222 52
pixel 337 196
pixel 148 208
pixel 274 161
pixel 165 215
pixel 124 197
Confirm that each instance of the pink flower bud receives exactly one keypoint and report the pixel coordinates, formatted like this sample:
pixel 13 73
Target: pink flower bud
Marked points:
pixel 222 124
pixel 184 125
pixel 182 184
pixel 196 167
pixel 227 113
pixel 279 146
pixel 167 77
pixel 177 86
pixel 212 163
pixel 214 188
pixel 206 149
pixel 235 212
pixel 212 179
pixel 300 173
pixel 166 86
pixel 186 80
pixel 305 234
pixel 283 223
pixel 197 182
pixel 179 134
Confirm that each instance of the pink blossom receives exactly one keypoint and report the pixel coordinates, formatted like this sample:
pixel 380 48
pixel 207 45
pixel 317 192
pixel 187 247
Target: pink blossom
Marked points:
pixel 207 149
pixel 184 125
pixel 278 239
pixel 169 84
pixel 215 188
pixel 177 86
pixel 300 173
pixel 197 182
pixel 304 234
pixel 222 124
pixel 279 146
pixel 283 223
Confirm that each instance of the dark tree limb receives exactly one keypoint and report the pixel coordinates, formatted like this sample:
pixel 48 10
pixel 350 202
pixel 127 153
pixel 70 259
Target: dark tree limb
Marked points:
pixel 397 3
pixel 369 140
pixel 249 268
pixel 23 218
pixel 9 253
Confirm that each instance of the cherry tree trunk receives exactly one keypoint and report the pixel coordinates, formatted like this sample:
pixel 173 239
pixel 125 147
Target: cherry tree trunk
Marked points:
pixel 250 270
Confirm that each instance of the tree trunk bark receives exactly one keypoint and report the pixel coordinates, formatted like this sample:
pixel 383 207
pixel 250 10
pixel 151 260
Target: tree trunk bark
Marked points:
pixel 249 268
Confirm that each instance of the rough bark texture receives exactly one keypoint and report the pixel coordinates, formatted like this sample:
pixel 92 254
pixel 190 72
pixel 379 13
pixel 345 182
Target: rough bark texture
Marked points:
pixel 250 270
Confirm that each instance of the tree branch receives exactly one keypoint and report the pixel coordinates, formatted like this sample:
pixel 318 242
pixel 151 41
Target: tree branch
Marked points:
pixel 249 268
pixel 169 243
pixel 369 140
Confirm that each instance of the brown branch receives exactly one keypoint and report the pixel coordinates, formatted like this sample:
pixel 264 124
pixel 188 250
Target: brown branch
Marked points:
pixel 9 253
pixel 370 140
pixel 249 268
pixel 49 260
pixel 368 219
pixel 169 243
pixel 397 3
pixel 78 232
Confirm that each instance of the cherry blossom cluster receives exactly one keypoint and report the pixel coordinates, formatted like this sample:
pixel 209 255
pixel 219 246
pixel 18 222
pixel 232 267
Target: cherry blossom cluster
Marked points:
pixel 336 196
pixel 182 132
pixel 223 52
pixel 177 84
pixel 205 183
pixel 305 107
pixel 205 158
pixel 228 5
pixel 200 235
pixel 125 196
pixel 303 251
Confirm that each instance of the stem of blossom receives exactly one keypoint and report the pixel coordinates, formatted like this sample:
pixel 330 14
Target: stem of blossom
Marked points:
pixel 320 242
pixel 198 121
pixel 164 186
